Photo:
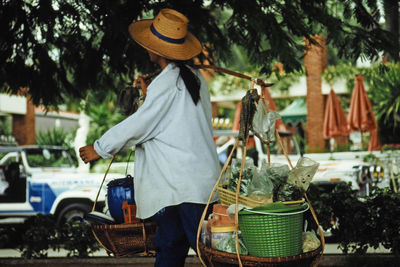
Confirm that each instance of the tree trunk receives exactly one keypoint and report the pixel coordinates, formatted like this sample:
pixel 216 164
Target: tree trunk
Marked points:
pixel 315 60
pixel 391 9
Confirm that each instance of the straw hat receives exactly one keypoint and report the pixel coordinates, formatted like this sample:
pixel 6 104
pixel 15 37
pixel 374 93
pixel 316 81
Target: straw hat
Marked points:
pixel 166 35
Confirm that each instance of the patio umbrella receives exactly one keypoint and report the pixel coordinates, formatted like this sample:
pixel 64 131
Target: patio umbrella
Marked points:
pixel 361 117
pixel 374 141
pixel 236 120
pixel 335 123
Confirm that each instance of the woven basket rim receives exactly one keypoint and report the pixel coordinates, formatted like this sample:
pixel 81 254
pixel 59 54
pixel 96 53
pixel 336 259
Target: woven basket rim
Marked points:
pixel 255 259
pixel 121 226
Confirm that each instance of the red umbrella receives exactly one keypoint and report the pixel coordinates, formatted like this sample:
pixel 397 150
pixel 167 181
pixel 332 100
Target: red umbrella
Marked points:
pixel 374 141
pixel 361 117
pixel 236 120
pixel 335 123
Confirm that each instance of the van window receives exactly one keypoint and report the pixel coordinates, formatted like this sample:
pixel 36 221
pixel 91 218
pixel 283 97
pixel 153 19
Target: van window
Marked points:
pixel 47 157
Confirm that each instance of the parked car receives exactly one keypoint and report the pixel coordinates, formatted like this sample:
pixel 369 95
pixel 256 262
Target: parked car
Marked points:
pixel 45 179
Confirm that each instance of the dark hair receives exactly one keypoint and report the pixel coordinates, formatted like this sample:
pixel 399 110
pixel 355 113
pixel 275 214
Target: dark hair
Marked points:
pixel 192 82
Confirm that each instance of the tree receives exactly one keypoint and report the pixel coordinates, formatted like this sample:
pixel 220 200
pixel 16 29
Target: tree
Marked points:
pixel 391 8
pixel 65 48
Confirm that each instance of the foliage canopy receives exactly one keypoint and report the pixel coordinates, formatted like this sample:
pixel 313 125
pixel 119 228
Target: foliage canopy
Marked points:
pixel 65 48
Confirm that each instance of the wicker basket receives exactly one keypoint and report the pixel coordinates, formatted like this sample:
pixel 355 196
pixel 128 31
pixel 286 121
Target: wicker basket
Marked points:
pixel 273 234
pixel 126 239
pixel 228 197
pixel 218 258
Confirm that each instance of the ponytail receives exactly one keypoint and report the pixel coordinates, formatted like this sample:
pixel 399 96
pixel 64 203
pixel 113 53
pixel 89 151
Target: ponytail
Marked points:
pixel 192 82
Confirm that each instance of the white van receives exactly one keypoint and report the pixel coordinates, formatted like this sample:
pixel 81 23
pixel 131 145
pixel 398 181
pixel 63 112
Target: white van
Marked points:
pixel 45 179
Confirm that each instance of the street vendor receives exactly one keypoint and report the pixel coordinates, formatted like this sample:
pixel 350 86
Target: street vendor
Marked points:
pixel 176 164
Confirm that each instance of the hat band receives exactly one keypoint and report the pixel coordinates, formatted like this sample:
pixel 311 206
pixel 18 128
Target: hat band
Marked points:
pixel 165 38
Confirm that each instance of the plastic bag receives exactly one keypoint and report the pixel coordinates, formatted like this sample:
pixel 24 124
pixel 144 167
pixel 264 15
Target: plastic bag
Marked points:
pixel 277 173
pixel 289 192
pixel 261 187
pixel 264 123
pixel 310 241
pixel 301 175
pixel 247 175
pixel 232 210
pixel 227 244
pixel 129 100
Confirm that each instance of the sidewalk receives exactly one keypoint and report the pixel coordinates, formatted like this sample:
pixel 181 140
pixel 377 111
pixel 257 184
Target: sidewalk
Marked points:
pixel 329 249
pixel 329 260
pixel 332 257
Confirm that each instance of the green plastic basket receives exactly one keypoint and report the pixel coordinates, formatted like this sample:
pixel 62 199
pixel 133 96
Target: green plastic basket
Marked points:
pixel 273 232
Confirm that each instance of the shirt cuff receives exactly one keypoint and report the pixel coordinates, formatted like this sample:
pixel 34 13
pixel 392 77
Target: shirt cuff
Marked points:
pixel 100 151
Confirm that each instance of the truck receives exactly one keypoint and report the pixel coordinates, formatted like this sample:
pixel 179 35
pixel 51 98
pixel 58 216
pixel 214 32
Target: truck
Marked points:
pixel 45 179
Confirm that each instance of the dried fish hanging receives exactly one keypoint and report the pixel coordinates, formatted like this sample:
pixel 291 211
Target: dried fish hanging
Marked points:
pixel 248 110
pixel 246 118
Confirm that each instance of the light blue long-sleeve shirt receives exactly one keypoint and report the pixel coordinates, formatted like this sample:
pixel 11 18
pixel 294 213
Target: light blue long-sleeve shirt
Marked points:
pixel 175 158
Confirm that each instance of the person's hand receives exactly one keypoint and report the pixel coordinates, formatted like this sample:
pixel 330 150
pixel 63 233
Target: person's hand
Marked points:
pixel 143 84
pixel 88 154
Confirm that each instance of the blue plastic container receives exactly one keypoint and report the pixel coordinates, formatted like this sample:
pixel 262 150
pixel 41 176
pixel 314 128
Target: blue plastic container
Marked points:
pixel 118 191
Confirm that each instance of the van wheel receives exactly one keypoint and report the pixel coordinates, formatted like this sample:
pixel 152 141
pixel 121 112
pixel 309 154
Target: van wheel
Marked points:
pixel 74 212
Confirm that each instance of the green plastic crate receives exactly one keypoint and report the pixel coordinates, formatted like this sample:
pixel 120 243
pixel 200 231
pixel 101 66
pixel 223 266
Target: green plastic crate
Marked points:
pixel 273 232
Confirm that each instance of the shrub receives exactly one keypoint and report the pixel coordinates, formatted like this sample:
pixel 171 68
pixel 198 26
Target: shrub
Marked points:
pixel 40 233
pixel 362 222
pixel 78 239
pixel 55 137
pixel 40 236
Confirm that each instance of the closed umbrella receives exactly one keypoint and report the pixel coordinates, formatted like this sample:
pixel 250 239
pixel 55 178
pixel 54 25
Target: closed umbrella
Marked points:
pixel 335 123
pixel 374 141
pixel 236 120
pixel 361 116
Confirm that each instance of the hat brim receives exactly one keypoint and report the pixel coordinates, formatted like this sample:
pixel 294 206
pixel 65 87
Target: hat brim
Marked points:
pixel 140 32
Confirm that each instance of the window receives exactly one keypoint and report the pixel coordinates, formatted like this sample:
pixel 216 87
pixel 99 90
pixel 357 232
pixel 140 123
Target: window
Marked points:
pixel 50 157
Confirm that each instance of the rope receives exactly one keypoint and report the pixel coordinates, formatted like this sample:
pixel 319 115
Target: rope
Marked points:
pixel 237 202
pixel 209 200
pixel 278 137
pixel 101 185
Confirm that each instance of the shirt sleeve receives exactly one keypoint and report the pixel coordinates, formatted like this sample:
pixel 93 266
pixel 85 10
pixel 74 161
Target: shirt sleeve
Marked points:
pixel 142 125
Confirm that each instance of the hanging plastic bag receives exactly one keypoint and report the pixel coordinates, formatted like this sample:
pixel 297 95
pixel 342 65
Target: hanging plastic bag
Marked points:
pixel 277 173
pixel 129 100
pixel 298 181
pixel 247 175
pixel 301 175
pixel 261 187
pixel 264 123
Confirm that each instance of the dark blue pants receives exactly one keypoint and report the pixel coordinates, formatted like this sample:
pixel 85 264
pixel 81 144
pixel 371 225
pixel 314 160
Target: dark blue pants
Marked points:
pixel 177 231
